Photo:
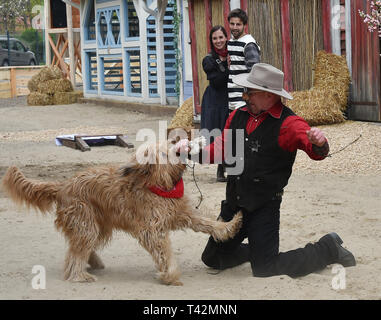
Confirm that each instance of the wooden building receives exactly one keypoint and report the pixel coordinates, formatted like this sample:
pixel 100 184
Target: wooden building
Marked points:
pixel 129 50
pixel 290 32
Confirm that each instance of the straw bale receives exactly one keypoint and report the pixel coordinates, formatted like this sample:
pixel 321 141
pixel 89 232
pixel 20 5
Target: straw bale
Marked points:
pixel 55 85
pixel 184 115
pixel 317 106
pixel 332 74
pixel 33 83
pixel 58 74
pixel 39 99
pixel 66 97
pixel 46 73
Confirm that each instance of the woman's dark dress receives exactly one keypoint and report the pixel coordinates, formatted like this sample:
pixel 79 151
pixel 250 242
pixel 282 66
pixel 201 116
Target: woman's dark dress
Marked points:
pixel 214 106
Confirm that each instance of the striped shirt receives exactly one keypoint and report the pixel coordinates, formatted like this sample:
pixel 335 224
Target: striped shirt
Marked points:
pixel 238 53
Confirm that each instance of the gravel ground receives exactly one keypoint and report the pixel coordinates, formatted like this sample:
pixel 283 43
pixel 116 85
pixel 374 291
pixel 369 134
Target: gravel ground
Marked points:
pixel 340 193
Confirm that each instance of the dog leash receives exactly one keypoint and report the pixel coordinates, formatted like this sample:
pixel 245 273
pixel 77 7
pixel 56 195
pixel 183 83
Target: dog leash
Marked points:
pixel 194 179
pixel 354 141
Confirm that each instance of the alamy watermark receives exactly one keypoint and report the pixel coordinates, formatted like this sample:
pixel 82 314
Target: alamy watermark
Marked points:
pixel 339 280
pixel 39 280
pixel 233 158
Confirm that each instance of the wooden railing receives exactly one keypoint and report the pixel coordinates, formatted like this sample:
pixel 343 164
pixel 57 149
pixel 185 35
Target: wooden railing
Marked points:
pixel 14 80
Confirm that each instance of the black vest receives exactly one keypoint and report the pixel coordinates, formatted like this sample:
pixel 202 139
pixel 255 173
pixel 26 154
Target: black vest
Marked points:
pixel 266 166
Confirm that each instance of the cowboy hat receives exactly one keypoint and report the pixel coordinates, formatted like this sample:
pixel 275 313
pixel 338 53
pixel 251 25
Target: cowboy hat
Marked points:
pixel 264 77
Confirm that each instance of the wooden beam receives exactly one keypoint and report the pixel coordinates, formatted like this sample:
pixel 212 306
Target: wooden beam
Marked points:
pixel 286 44
pixel 62 63
pixel 326 15
pixel 196 86
pixel 70 36
pixel 47 25
pixel 226 13
pixel 208 22
pixel 58 46
pixel 13 83
pixel 244 8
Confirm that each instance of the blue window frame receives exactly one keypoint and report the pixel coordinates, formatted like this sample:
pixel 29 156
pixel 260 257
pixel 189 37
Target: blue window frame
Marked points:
pixel 133 72
pixel 111 74
pixel 131 21
pixel 89 22
pixel 169 53
pixel 108 21
pixel 91 72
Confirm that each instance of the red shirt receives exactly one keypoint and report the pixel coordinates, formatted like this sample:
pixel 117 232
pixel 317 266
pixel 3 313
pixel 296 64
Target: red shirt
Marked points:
pixel 292 134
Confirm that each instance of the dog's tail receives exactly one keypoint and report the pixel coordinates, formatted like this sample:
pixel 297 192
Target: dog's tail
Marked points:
pixel 39 195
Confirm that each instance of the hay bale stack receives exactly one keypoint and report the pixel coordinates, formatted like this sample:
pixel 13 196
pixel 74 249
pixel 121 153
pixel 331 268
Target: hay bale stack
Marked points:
pixel 317 106
pixel 55 85
pixel 33 83
pixel 50 87
pixel 184 115
pixel 66 97
pixel 332 74
pixel 46 74
pixel 326 101
pixel 39 99
pixel 58 74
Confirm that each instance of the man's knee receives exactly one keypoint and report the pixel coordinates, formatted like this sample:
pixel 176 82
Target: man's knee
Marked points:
pixel 210 255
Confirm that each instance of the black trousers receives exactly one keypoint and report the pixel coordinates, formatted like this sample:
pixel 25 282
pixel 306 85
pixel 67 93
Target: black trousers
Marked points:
pixel 261 227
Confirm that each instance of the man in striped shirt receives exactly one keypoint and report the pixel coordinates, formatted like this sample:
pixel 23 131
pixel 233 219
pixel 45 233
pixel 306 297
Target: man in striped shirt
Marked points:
pixel 243 51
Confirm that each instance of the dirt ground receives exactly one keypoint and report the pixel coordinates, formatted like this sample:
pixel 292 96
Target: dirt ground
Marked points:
pixel 341 193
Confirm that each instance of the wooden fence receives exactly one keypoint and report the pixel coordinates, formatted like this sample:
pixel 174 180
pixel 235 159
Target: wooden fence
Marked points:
pixel 14 80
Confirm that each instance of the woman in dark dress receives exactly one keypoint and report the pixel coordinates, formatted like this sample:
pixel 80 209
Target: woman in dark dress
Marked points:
pixel 214 106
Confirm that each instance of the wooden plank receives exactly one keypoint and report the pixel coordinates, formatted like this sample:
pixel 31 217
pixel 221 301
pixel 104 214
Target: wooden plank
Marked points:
pixel 13 83
pixel 208 22
pixel 196 90
pixel 286 47
pixel 121 141
pixel 244 8
pixel 226 13
pixel 5 94
pixel 5 86
pixel 62 63
pixel 326 14
pixel 5 74
pixel 81 144
pixel 26 73
pixel 22 91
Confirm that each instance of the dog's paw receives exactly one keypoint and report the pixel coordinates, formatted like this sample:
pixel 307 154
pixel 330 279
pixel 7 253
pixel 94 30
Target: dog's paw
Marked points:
pixel 197 144
pixel 83 277
pixel 170 279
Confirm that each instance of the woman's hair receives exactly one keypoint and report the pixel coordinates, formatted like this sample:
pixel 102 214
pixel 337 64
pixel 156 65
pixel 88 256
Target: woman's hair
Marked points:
pixel 213 30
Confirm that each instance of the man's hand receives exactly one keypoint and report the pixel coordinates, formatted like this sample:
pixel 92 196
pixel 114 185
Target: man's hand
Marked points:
pixel 316 137
pixel 182 146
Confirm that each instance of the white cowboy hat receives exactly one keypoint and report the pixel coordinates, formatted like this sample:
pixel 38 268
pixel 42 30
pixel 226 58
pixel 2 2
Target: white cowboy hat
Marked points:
pixel 264 77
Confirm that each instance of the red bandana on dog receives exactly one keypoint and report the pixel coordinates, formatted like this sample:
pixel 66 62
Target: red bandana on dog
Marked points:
pixel 176 192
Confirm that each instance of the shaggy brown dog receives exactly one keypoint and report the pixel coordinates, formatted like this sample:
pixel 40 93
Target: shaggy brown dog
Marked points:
pixel 97 201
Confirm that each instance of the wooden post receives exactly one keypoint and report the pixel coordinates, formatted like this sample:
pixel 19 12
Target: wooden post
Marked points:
pixel 326 14
pixel 244 8
pixel 226 13
pixel 13 83
pixel 47 25
pixel 196 86
pixel 161 7
pixel 208 22
pixel 69 16
pixel 286 44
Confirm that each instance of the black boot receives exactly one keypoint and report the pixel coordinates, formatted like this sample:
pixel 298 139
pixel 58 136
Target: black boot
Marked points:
pixel 221 173
pixel 341 255
pixel 215 257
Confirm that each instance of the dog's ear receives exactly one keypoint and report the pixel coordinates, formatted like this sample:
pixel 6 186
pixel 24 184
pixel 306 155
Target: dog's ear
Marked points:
pixel 126 170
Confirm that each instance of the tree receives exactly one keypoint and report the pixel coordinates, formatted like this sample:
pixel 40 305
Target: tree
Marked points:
pixel 10 10
pixel 373 19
